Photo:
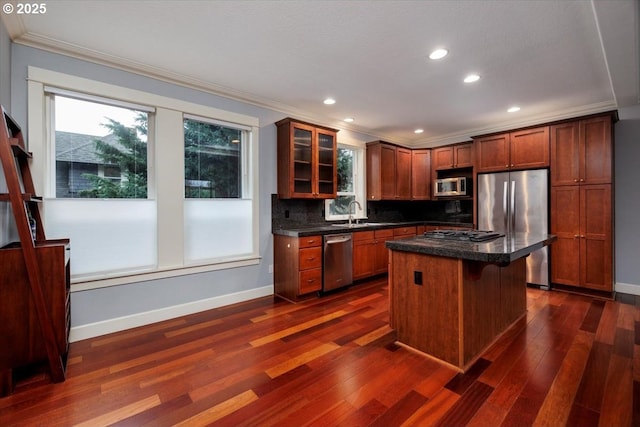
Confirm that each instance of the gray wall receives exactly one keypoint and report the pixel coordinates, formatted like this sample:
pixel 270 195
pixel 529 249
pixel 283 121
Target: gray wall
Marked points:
pixel 5 67
pixel 627 200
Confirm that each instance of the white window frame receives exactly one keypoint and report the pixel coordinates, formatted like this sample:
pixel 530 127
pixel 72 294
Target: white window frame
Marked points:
pixel 358 184
pixel 167 156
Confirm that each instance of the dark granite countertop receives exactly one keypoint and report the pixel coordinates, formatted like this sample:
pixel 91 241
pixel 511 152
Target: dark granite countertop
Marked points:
pixel 502 250
pixel 329 228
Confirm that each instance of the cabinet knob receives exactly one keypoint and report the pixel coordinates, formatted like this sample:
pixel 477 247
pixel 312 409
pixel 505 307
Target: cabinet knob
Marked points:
pixel 575 180
pixel 581 179
pixel 575 236
pixel 506 166
pixel 511 164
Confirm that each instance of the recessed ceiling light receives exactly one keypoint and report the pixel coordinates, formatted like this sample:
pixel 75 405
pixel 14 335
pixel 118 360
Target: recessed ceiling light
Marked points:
pixel 438 54
pixel 471 78
pixel 349 119
pixel 329 101
pixel 513 109
pixel 418 131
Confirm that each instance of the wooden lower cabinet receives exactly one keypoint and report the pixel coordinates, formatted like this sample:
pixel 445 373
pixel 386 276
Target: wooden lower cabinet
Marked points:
pixel 370 253
pixel 297 266
pixel 21 338
pixel 581 218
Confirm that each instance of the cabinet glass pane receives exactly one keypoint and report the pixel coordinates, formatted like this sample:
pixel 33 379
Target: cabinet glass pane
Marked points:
pixel 326 163
pixel 302 160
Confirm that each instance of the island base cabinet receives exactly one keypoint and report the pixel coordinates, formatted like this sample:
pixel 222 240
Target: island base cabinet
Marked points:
pixel 453 309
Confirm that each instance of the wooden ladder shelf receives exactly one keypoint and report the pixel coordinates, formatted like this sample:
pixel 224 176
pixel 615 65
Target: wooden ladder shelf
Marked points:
pixel 24 206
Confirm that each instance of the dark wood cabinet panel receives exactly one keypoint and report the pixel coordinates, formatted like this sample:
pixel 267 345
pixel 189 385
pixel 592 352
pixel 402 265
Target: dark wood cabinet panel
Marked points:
pixel 582 204
pixel 421 174
pixel 581 218
pixel 582 152
pixel 307 156
pixel 452 156
pixel 525 149
pixel 403 174
pixel 388 172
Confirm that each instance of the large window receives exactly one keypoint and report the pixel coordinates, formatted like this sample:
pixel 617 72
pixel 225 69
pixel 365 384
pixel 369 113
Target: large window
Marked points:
pixel 350 184
pixel 145 186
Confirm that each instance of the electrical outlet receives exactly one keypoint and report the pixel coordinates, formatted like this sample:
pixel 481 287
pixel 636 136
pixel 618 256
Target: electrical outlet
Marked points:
pixel 417 277
pixel 270 268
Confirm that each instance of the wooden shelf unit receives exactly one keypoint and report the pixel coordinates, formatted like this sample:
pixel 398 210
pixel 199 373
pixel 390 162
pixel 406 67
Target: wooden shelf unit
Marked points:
pixel 34 274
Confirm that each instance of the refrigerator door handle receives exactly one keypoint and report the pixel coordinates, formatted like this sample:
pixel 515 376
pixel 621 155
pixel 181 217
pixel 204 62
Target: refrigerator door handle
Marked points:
pixel 513 207
pixel 505 211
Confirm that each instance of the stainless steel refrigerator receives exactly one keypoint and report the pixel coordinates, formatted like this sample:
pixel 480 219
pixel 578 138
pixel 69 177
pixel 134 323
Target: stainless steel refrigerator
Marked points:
pixel 517 202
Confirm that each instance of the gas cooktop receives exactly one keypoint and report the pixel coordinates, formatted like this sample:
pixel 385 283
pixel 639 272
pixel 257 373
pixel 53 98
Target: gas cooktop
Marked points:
pixel 462 235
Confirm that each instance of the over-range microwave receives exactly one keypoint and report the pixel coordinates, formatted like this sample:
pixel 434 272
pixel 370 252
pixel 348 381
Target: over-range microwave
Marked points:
pixel 450 187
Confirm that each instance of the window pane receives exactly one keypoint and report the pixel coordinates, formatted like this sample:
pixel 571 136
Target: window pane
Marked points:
pixel 339 205
pixel 212 160
pixel 217 229
pixel 345 170
pixel 106 235
pixel 94 140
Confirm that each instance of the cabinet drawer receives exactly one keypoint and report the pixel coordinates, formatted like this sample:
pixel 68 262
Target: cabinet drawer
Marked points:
pixel 384 234
pixel 310 241
pixel 362 235
pixel 310 258
pixel 310 280
pixel 403 231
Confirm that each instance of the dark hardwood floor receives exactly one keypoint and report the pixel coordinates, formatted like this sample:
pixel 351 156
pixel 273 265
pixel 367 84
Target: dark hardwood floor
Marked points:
pixel 332 361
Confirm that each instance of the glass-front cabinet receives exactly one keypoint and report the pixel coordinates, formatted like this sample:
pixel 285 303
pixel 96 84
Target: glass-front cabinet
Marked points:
pixel 306 160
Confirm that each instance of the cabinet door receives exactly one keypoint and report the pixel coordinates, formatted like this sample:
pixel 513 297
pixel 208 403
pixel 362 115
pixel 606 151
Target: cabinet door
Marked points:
pixel 388 172
pixel 529 149
pixel 303 157
pixel 565 224
pixel 363 254
pixel 596 151
pixel 463 155
pixel 492 153
pixel 381 255
pixel 421 174
pixel 326 184
pixel 595 237
pixel 565 154
pixel 403 174
pixel 442 158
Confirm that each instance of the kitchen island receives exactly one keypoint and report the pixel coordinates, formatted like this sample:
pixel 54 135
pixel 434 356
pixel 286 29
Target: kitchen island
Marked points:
pixel 452 299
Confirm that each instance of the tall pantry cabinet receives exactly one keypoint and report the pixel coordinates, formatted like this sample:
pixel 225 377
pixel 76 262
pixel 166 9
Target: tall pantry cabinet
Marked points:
pixel 582 203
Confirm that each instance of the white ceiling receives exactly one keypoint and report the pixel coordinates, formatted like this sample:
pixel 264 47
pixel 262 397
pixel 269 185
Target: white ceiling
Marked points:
pixel 554 59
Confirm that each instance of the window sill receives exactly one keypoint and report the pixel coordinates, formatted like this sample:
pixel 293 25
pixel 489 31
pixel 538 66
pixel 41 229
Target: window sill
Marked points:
pixel 115 279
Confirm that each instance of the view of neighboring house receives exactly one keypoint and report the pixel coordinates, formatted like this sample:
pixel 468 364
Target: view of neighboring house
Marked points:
pixel 77 157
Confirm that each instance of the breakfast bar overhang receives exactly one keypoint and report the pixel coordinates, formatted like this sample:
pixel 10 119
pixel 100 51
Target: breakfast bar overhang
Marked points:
pixel 452 299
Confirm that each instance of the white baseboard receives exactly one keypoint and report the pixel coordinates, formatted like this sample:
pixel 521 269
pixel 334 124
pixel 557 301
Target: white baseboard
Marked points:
pixel 628 288
pixel 117 324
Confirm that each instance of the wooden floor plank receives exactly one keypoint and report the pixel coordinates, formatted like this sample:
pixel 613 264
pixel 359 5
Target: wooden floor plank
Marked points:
pixel 333 361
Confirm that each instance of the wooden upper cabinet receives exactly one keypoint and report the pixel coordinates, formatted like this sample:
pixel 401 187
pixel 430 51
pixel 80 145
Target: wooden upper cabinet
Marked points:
pixel 307 156
pixel 525 149
pixel 582 152
pixel 403 173
pixel 452 156
pixel 388 172
pixel 421 174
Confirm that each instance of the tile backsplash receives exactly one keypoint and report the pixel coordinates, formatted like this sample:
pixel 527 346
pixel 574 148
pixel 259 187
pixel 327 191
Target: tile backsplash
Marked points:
pixel 299 212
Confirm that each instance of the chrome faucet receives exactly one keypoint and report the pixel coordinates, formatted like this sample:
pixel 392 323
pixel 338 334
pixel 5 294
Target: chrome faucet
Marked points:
pixel 351 203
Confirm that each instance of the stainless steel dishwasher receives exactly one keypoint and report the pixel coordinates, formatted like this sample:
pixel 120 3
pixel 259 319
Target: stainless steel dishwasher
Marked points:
pixel 337 263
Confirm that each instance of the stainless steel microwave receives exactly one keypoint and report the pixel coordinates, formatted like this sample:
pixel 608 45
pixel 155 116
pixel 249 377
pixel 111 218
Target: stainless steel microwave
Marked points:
pixel 450 187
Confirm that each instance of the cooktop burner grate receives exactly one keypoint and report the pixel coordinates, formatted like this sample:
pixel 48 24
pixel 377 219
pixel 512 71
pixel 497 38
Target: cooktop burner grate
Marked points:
pixel 462 235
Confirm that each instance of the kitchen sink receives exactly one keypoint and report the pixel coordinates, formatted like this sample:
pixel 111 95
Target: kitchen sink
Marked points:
pixel 360 225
